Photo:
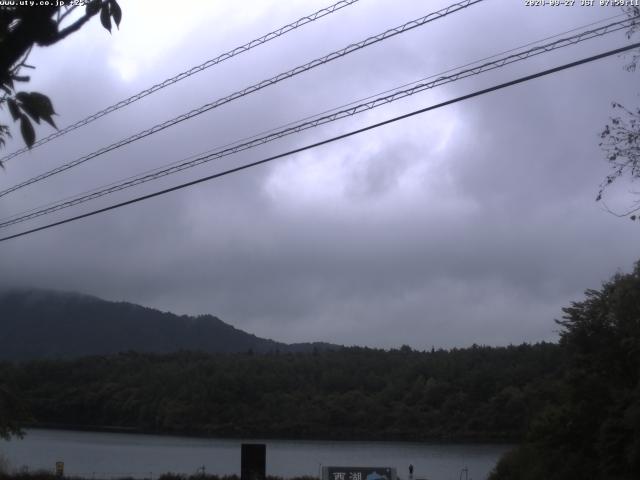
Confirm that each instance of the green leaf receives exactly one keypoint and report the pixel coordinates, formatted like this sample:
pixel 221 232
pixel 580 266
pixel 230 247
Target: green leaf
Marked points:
pixel 8 81
pixel 50 121
pixel 105 18
pixel 93 7
pixel 42 103
pixel 32 113
pixel 28 134
pixel 37 106
pixel 22 96
pixel 28 107
pixel 116 12
pixel 13 108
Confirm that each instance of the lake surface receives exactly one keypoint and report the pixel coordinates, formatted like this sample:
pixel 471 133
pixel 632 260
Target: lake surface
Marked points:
pixel 109 455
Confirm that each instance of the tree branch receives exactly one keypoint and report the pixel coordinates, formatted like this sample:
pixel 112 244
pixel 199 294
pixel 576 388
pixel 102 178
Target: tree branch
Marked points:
pixel 621 215
pixel 74 27
pixel 62 17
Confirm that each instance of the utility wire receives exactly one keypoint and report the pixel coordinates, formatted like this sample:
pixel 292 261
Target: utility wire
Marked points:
pixel 305 125
pixel 207 156
pixel 329 140
pixel 363 99
pixel 58 204
pixel 258 86
pixel 369 97
pixel 354 102
pixel 192 71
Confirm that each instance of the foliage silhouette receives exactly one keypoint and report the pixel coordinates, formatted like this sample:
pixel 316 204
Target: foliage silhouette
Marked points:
pixel 591 429
pixel 477 393
pixel 21 28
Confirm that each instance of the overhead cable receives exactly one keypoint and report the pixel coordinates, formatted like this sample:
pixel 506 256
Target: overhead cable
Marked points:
pixel 328 140
pixel 253 88
pixel 315 122
pixel 182 75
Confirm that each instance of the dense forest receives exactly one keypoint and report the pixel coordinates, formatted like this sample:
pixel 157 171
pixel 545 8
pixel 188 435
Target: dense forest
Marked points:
pixel 574 406
pixel 479 393
pixel 590 428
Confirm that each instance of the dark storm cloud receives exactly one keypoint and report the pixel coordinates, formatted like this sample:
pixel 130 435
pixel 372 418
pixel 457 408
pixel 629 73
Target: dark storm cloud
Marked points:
pixel 474 223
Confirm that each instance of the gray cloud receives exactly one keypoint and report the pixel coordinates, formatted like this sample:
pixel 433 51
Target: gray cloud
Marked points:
pixel 474 223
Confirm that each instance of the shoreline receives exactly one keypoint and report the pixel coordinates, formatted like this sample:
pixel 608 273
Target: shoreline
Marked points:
pixel 262 437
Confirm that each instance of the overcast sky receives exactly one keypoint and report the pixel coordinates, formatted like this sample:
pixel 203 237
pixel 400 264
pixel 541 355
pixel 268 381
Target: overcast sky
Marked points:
pixel 471 223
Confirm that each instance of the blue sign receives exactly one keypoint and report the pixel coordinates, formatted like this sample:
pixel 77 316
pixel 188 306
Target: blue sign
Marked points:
pixel 358 473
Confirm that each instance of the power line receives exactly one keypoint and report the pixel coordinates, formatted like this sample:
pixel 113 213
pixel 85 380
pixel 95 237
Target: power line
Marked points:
pixel 354 102
pixel 309 117
pixel 322 120
pixel 475 62
pixel 142 177
pixel 329 140
pixel 258 86
pixel 182 75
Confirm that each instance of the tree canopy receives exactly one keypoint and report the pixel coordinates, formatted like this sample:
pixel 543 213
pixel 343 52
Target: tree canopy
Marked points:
pixel 12 413
pixel 22 27
pixel 620 138
pixel 477 393
pixel 592 429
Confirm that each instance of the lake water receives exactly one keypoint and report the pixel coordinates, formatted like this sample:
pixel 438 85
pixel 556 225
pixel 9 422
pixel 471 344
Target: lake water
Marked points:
pixel 109 455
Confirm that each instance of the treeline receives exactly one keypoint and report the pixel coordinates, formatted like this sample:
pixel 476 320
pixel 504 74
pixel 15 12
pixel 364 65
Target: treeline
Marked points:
pixel 45 475
pixel 477 393
pixel 590 427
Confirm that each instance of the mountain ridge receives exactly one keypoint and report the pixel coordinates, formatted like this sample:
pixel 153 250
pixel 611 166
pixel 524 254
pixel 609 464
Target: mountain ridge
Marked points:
pixel 39 323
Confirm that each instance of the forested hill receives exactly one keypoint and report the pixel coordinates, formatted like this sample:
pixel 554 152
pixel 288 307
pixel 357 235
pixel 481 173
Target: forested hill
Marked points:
pixel 478 393
pixel 45 324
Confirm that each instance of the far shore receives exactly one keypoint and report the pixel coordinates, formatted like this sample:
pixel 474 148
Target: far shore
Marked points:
pixel 266 437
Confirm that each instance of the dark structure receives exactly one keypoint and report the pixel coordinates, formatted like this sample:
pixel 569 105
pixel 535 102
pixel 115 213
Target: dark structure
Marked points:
pixel 254 461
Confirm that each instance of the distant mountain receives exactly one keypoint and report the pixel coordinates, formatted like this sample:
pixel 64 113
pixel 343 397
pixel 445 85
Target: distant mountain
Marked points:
pixel 47 324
